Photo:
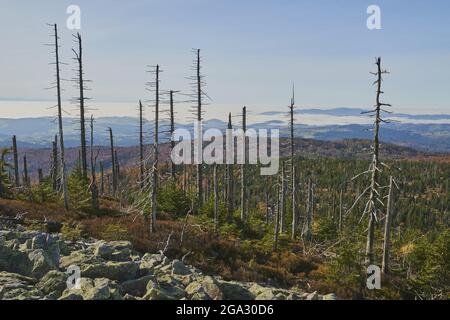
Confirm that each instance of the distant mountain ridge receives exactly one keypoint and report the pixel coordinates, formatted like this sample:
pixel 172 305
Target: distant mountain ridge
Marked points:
pixel 428 137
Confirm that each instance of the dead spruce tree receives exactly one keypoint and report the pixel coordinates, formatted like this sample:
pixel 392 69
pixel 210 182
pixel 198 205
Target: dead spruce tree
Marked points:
pixel 153 86
pixel 277 220
pixel 387 225
pixel 293 180
pixel 60 121
pixel 117 167
pixel 216 198
pixel 283 198
pixel 172 130
pixel 54 169
pixel 243 167
pixel 26 181
pixel 102 179
pixel 113 162
pixel 374 202
pixel 93 185
pixel 5 180
pixel 307 226
pixel 80 85
pixel 198 94
pixel 141 146
pixel 155 153
pixel 199 118
pixel 229 168
pixel 16 163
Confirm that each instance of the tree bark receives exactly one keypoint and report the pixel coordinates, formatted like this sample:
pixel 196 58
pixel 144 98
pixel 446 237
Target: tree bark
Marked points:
pixel 243 167
pixel 141 146
pixel 154 195
pixel 172 130
pixel 373 205
pixel 94 189
pixel 79 58
pixel 113 162
pixel 60 123
pixel 387 227
pixel 199 119
pixel 26 181
pixel 216 199
pixel 230 198
pixel 16 163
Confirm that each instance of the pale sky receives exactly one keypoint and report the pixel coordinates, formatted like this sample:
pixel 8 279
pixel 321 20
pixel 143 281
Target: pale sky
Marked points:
pixel 252 52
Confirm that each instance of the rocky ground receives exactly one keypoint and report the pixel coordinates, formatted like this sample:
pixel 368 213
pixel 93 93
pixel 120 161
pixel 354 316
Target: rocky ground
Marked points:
pixel 34 265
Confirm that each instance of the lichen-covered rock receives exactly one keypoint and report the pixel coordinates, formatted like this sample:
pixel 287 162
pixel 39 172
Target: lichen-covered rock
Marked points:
pixel 39 241
pixel 149 262
pixel 268 293
pixel 163 291
pixel 14 261
pixel 114 250
pixel 179 268
pixel 136 287
pixel 97 289
pixel 53 283
pixel 79 258
pixel 120 271
pixel 233 290
pixel 14 286
pixel 112 271
pixel 41 263
pixel 312 296
pixel 204 288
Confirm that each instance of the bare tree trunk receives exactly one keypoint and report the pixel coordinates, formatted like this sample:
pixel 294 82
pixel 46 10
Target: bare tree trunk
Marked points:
pixel 94 190
pixel 199 119
pixel 60 122
pixel 113 162
pixel 283 199
pixel 230 199
pixel 243 167
pixel 309 212
pixel 102 179
pixel 80 80
pixel 16 162
pixel 224 182
pixel 294 225
pixel 108 182
pixel 373 198
pixel 55 169
pixel 387 227
pixel 141 146
pixel 172 130
pixel 117 166
pixel 216 199
pixel 277 221
pixel 154 195
pixel 293 180
pixel 26 181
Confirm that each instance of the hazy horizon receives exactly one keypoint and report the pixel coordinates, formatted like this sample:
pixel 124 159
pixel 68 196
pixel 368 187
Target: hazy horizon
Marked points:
pixel 252 53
